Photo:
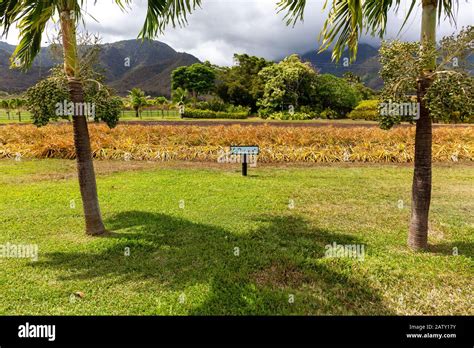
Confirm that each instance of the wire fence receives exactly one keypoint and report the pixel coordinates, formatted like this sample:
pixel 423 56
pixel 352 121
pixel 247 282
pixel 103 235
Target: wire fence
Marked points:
pixel 152 114
pixel 22 116
pixel 14 116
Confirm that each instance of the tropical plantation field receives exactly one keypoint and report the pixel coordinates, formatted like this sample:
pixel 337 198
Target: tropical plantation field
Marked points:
pixel 341 213
pixel 189 235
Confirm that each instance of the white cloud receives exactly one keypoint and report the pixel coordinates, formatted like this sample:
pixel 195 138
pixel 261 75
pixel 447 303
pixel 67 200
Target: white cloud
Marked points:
pixel 223 27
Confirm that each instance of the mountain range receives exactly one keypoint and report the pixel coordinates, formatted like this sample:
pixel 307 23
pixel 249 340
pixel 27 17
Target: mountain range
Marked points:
pixel 125 64
pixel 366 66
pixel 148 65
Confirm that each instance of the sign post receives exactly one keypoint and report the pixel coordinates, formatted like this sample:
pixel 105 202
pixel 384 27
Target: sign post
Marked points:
pixel 245 151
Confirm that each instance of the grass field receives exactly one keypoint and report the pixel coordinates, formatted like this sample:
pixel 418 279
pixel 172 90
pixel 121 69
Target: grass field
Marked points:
pixel 14 117
pixel 204 240
pixel 127 115
pixel 171 115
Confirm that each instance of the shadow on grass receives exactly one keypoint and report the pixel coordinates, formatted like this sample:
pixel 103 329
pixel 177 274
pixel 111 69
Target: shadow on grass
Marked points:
pixel 255 273
pixel 460 248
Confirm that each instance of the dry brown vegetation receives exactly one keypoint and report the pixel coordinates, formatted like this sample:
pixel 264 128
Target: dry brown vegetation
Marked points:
pixel 277 144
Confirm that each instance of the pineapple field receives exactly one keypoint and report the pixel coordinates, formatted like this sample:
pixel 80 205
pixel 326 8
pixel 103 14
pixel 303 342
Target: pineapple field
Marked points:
pixel 204 144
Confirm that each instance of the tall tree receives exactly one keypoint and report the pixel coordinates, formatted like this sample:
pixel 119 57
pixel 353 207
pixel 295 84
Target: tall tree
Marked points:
pixel 7 105
pixel 197 78
pixel 241 83
pixel 31 17
pixel 291 82
pixel 347 20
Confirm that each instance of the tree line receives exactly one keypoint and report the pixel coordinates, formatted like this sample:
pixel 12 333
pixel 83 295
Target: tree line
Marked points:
pixel 267 87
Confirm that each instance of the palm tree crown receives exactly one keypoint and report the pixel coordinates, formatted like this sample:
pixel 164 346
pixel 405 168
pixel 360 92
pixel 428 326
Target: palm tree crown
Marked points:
pixel 32 16
pixel 348 19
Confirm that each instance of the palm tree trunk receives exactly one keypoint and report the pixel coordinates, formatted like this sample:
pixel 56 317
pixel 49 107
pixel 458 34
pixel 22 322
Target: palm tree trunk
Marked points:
pixel 421 188
pixel 85 166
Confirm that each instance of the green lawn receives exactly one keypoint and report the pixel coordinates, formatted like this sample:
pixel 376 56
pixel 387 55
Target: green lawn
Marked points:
pixel 14 117
pixel 126 115
pixel 150 115
pixel 171 115
pixel 183 223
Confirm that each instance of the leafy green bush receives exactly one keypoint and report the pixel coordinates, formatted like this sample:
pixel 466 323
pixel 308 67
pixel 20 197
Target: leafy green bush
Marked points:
pixel 213 105
pixel 290 82
pixel 196 113
pixel 286 116
pixel 218 105
pixel 329 114
pixel 264 113
pixel 337 94
pixel 44 98
pixel 310 110
pixel 451 99
pixel 450 94
pixel 238 108
pixel 366 110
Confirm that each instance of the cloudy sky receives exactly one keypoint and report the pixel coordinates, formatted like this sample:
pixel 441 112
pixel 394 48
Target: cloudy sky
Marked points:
pixel 222 27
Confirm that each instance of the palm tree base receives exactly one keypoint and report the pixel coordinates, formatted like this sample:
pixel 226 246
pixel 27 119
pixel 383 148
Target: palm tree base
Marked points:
pixel 96 233
pixel 417 241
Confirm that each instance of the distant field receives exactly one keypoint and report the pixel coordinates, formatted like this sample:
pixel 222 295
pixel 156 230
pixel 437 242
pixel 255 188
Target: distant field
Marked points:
pixel 170 115
pixel 201 143
pixel 14 117
pixel 147 115
pixel 126 115
pixel 174 116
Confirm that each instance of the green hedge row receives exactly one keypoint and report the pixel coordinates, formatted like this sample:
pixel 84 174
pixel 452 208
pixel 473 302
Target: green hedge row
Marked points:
pixel 366 110
pixel 195 113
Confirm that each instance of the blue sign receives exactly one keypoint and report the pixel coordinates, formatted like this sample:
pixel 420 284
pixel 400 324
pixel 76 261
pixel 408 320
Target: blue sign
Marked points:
pixel 244 150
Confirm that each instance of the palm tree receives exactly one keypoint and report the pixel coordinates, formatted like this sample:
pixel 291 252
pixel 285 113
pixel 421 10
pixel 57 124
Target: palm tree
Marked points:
pixel 161 102
pixel 31 17
pixel 180 95
pixel 7 104
pixel 138 100
pixel 346 21
pixel 17 105
pixel 4 105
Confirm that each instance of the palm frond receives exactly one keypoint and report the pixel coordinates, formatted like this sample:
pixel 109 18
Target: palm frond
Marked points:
pixel 31 18
pixel 294 10
pixel 449 8
pixel 348 19
pixel 161 13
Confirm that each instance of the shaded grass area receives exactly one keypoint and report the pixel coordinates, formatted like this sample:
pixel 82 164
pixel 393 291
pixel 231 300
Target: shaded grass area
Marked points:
pixel 208 241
